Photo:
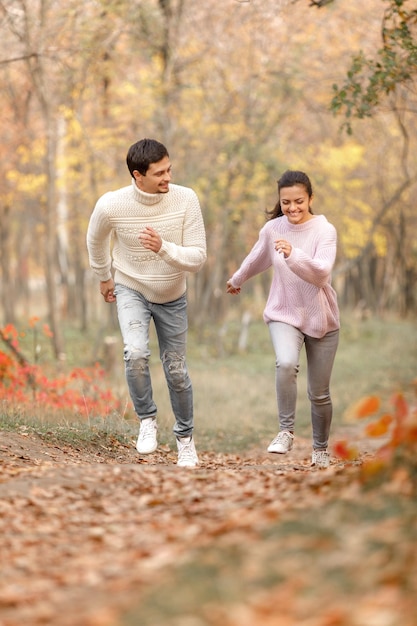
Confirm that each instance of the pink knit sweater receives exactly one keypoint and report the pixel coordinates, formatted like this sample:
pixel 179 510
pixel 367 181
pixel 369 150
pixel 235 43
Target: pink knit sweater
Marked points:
pixel 301 293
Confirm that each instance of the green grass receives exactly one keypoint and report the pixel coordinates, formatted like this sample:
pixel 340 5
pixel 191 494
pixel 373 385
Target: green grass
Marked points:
pixel 73 432
pixel 234 393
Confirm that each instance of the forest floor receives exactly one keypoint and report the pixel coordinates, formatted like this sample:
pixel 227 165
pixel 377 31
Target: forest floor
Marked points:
pixel 99 536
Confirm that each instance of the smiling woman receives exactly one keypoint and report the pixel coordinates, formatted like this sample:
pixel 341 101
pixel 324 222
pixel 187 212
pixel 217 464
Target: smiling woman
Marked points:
pixel 296 204
pixel 301 308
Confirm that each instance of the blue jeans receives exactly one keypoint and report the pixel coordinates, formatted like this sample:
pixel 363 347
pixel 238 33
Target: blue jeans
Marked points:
pixel 287 342
pixel 171 324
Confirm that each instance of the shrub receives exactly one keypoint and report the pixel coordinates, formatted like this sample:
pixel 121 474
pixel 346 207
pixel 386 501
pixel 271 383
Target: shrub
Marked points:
pixel 81 392
pixel 397 455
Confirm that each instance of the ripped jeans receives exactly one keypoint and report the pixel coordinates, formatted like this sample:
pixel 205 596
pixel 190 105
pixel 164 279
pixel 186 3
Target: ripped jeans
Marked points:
pixel 171 324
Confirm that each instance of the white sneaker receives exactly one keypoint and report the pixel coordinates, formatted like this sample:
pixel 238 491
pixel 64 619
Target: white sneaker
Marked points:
pixel 147 442
pixel 282 443
pixel 320 459
pixel 187 455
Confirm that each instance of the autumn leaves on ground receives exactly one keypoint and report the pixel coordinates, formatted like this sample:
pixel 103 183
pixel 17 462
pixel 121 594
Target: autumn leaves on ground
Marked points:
pixel 94 535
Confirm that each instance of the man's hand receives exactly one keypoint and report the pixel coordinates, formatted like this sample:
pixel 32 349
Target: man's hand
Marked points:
pixel 150 239
pixel 107 289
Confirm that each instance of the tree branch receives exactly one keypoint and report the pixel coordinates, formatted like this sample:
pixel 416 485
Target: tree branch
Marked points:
pixel 17 59
pixel 20 358
pixel 319 3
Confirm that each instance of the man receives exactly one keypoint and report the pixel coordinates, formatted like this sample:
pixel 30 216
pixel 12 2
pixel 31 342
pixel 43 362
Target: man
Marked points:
pixel 153 233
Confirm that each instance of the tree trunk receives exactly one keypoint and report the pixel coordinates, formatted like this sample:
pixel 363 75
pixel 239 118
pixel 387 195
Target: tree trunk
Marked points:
pixel 7 290
pixel 51 240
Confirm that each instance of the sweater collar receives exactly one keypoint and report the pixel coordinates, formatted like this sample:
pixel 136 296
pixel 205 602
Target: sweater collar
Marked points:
pixel 305 225
pixel 146 198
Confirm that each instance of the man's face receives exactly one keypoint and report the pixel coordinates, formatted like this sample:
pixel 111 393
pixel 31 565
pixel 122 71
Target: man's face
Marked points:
pixel 156 179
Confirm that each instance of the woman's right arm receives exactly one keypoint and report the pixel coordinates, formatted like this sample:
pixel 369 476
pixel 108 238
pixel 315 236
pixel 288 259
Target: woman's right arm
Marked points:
pixel 257 261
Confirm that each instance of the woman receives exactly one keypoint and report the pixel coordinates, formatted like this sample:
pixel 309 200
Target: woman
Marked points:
pixel 301 306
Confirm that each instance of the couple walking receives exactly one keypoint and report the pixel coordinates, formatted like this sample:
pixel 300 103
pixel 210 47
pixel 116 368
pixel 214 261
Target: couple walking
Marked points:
pixel 151 233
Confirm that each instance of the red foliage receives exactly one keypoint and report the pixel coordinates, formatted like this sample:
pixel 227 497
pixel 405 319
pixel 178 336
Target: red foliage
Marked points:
pixel 343 450
pixel 6 366
pixel 400 430
pixel 367 406
pixel 379 427
pixel 82 391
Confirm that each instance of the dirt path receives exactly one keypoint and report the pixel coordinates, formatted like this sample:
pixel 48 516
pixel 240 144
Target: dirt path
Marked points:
pixel 86 531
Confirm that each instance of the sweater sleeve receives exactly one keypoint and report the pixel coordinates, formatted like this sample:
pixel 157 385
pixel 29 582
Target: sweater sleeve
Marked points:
pixel 317 269
pixel 98 242
pixel 257 261
pixel 192 254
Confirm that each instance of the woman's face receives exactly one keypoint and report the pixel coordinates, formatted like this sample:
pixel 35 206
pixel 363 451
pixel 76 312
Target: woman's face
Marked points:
pixel 295 204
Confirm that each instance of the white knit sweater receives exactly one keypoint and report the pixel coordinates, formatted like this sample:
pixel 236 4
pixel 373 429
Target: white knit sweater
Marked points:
pixel 301 293
pixel 113 239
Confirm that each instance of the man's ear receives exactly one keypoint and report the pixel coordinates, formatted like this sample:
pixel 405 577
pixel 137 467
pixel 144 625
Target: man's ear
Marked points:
pixel 138 177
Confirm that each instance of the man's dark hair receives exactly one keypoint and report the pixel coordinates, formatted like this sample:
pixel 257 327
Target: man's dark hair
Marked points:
pixel 144 152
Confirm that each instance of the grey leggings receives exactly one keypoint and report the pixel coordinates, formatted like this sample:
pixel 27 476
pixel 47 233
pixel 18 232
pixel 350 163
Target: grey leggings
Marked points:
pixel 287 342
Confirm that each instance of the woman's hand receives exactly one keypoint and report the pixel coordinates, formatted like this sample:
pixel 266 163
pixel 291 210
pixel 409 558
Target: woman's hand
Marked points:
pixel 233 290
pixel 281 245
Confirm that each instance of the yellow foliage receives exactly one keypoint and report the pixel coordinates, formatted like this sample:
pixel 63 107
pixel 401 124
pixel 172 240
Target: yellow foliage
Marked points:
pixel 342 197
pixel 32 153
pixel 374 467
pixel 354 235
pixel 32 184
pixel 337 160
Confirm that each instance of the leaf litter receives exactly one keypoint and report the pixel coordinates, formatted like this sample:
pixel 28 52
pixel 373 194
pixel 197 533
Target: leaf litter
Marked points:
pixel 99 536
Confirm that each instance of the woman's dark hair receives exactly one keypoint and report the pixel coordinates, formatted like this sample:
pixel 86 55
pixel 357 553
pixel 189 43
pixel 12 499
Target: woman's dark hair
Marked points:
pixel 144 152
pixel 290 178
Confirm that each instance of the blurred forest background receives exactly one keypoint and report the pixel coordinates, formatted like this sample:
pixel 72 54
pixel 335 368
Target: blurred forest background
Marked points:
pixel 239 91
